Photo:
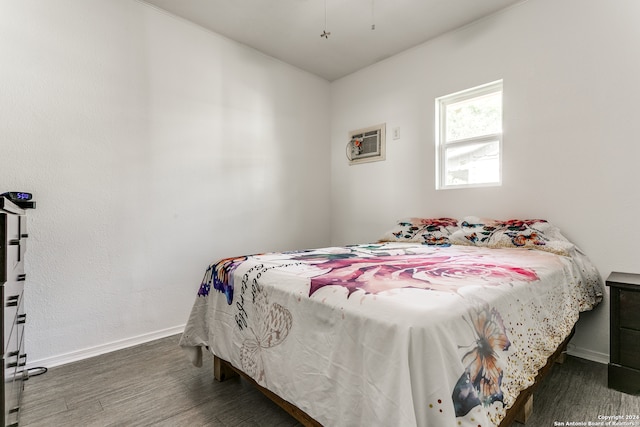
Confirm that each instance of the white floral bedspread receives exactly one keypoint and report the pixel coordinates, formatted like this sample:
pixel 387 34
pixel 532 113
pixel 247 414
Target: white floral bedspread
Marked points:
pixel 392 334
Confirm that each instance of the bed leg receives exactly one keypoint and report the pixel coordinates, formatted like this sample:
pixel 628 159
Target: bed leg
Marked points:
pixel 561 358
pixel 525 413
pixel 221 370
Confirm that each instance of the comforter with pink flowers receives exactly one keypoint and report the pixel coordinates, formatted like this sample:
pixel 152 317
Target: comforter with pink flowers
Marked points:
pixel 397 334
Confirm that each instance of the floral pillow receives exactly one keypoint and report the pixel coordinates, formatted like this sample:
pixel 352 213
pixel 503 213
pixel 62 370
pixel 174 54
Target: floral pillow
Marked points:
pixel 428 231
pixel 531 233
pixel 475 231
pixel 513 233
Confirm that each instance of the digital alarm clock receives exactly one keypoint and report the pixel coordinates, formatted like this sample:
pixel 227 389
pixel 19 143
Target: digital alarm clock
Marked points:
pixel 16 196
pixel 20 198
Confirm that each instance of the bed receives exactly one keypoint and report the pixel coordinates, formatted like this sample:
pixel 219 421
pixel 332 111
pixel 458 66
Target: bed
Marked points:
pixel 440 323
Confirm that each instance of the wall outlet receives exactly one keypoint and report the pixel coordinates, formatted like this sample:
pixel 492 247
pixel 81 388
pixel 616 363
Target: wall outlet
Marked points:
pixel 396 132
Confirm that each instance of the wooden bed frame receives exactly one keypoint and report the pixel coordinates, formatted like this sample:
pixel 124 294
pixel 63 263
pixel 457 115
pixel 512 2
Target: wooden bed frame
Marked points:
pixel 520 411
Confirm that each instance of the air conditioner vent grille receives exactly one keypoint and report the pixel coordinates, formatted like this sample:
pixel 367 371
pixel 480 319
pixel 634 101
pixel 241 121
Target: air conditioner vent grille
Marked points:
pixel 366 145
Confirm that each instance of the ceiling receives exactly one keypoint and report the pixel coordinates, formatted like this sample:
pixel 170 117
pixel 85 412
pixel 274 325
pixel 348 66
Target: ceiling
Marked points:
pixel 290 29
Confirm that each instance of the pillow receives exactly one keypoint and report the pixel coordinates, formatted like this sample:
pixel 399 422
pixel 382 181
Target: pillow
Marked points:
pixel 514 233
pixel 475 231
pixel 532 234
pixel 428 231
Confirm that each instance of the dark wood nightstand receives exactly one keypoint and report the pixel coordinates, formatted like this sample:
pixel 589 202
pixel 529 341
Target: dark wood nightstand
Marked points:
pixel 624 366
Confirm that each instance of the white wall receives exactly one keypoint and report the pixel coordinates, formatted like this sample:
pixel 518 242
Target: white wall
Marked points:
pixel 153 147
pixel 110 108
pixel 571 95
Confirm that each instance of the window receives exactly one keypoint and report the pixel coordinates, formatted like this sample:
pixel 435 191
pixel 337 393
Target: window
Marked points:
pixel 469 137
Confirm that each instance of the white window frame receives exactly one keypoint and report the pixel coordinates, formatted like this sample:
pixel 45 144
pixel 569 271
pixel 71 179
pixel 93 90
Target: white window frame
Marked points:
pixel 441 132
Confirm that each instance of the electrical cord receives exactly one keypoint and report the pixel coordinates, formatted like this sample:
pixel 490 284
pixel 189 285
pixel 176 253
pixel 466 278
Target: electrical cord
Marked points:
pixel 34 372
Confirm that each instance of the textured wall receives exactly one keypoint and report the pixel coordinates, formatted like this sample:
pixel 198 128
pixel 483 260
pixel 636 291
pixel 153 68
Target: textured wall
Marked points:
pixel 570 126
pixel 153 147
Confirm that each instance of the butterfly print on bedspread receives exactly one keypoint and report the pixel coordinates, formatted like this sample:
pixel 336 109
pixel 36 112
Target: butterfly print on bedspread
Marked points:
pixel 379 273
pixel 482 378
pixel 220 275
pixel 271 325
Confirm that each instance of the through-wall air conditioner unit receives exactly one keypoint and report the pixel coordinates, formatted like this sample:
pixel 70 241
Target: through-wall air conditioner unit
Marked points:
pixel 366 145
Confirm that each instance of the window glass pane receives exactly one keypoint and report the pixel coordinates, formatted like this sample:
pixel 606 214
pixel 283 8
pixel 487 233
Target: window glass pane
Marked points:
pixel 474 117
pixel 473 164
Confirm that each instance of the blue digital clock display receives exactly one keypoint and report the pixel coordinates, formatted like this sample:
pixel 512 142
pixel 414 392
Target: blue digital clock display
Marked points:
pixel 17 196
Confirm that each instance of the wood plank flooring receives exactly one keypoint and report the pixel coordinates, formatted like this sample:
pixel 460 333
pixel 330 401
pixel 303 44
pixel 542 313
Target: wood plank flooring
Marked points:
pixel 155 385
pixel 577 391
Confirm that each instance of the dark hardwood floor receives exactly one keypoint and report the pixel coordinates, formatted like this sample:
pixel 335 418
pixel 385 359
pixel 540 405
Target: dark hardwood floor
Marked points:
pixel 577 391
pixel 155 385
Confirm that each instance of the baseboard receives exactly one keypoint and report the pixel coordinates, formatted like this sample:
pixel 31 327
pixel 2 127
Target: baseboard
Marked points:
pixel 584 353
pixel 86 353
pixel 74 356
